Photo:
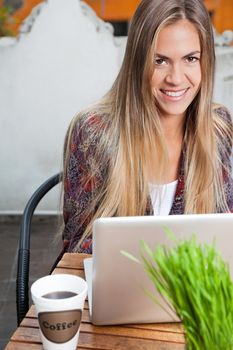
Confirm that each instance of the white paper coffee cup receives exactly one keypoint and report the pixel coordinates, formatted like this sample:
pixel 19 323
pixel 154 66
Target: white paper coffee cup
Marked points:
pixel 59 319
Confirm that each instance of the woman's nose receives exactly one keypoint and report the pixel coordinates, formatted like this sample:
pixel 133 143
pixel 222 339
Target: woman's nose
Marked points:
pixel 175 74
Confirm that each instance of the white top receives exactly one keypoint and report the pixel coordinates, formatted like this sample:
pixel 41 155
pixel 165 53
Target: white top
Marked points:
pixel 162 197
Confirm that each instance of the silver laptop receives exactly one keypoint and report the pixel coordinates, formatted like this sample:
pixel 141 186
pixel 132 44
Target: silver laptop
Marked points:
pixel 116 284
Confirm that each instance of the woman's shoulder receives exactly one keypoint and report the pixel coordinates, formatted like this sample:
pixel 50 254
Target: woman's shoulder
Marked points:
pixel 91 120
pixel 223 128
pixel 88 126
pixel 221 112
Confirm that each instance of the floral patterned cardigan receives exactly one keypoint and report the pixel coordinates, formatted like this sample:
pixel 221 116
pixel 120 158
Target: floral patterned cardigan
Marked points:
pixel 79 187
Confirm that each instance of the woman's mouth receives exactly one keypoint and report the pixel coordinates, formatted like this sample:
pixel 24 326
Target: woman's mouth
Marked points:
pixel 174 95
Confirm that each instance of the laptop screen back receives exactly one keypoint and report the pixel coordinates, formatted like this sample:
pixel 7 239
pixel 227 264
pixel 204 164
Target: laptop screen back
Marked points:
pixel 118 284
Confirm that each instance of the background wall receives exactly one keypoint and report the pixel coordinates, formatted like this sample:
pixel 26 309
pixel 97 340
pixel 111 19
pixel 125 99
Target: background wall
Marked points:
pixel 64 59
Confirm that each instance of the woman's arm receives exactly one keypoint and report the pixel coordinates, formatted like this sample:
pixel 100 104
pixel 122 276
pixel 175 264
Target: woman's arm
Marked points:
pixel 226 141
pixel 83 179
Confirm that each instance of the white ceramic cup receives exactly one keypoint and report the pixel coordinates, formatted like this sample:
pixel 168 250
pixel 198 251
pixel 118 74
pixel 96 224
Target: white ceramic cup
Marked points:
pixel 59 319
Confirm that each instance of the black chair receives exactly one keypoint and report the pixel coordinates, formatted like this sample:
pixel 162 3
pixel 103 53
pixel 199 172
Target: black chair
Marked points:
pixel 22 288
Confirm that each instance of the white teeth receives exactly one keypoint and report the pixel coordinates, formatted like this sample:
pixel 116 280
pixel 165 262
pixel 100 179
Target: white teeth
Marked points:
pixel 174 93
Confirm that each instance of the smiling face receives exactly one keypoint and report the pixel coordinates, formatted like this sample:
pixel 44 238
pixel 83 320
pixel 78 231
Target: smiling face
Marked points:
pixel 176 77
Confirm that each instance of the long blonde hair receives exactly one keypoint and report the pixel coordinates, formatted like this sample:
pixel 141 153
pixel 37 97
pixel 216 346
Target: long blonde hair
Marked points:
pixel 133 125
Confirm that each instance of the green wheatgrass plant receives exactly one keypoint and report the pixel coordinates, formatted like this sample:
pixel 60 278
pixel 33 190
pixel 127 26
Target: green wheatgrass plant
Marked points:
pixel 196 283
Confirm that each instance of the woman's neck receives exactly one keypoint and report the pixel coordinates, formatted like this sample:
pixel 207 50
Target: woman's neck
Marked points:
pixel 173 133
pixel 173 128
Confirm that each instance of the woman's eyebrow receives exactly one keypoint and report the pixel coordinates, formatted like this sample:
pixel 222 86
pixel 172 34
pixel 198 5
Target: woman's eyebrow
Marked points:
pixel 193 53
pixel 161 56
pixel 188 54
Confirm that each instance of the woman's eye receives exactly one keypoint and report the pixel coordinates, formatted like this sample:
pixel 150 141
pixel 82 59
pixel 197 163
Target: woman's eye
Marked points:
pixel 160 61
pixel 192 59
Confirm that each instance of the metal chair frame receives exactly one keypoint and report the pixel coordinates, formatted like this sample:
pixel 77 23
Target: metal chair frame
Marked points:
pixel 22 280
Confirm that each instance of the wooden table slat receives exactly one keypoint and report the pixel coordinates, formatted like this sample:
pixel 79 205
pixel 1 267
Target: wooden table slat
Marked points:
pixel 114 339
pixel 72 260
pixel 69 271
pixel 99 341
pixel 126 331
pixel 22 346
pixel 133 332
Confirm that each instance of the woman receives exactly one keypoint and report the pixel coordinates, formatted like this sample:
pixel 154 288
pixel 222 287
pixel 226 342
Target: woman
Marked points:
pixel 155 144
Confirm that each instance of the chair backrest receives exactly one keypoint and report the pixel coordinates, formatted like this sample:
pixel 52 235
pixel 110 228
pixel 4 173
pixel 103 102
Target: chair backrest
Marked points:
pixel 22 288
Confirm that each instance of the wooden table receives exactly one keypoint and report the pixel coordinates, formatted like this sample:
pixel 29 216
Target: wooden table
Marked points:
pixel 132 337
